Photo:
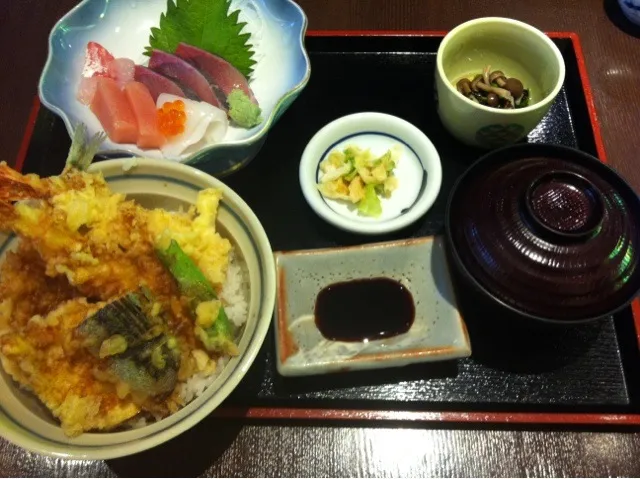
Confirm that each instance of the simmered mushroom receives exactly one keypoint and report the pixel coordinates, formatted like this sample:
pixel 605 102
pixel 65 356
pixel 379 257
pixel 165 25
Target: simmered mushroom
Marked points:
pixel 498 78
pixel 515 87
pixel 464 86
pixel 474 82
pixel 494 89
pixel 485 74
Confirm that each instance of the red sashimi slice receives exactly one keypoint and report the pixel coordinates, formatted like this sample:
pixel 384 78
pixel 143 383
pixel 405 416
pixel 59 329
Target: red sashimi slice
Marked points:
pixel 217 70
pixel 96 60
pixel 185 75
pixel 121 70
pixel 144 109
pixel 87 89
pixel 111 106
pixel 156 83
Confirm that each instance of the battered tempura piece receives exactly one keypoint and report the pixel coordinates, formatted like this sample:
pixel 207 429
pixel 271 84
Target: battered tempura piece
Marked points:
pixel 46 357
pixel 82 230
pixel 131 334
pixel 91 321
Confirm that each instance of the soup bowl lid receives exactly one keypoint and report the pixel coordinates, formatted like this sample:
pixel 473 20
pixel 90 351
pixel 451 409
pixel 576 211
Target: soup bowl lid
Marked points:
pixel 550 232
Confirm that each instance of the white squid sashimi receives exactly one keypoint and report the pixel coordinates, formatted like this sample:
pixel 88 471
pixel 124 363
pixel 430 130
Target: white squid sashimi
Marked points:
pixel 204 124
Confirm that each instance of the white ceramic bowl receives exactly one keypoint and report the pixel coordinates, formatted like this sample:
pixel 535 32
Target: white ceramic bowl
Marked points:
pixel 155 183
pixel 419 171
pixel 518 49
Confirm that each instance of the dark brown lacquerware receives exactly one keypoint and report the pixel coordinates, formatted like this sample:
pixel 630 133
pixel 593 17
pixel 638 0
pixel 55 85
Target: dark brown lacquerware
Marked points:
pixel 548 232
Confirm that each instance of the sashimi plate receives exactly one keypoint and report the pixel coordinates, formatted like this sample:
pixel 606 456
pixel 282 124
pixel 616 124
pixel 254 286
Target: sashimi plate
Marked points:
pixel 282 69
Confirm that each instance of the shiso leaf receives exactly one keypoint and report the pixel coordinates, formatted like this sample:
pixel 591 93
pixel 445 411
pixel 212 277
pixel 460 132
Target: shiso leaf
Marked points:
pixel 206 24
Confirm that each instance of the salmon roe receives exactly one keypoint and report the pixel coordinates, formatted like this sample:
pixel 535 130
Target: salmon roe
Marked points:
pixel 172 118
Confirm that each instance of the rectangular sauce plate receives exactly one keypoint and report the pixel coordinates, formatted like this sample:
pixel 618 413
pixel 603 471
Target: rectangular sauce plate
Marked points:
pixel 437 333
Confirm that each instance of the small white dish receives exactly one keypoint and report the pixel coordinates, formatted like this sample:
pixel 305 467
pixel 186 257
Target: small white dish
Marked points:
pixel 438 331
pixel 419 171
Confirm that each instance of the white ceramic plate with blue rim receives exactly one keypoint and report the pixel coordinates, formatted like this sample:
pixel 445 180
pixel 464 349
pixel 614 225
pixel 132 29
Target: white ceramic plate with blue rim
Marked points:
pixel 158 184
pixel 418 170
pixel 123 27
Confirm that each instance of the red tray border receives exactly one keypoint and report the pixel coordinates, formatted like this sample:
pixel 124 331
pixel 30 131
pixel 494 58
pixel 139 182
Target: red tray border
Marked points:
pixel 420 416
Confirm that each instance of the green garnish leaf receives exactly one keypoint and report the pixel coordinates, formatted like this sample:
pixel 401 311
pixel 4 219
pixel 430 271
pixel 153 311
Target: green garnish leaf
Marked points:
pixel 205 24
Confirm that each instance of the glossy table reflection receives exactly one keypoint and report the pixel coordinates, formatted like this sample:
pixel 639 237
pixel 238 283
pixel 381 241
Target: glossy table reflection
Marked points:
pixel 234 448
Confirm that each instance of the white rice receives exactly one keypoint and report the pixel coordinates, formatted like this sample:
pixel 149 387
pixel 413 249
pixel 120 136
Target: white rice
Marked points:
pixel 136 422
pixel 196 384
pixel 234 291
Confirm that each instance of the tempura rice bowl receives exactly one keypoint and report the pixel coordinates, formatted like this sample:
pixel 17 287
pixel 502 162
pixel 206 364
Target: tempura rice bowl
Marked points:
pixel 159 184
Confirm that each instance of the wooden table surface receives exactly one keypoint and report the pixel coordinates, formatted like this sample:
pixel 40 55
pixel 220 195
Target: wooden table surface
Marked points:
pixel 612 50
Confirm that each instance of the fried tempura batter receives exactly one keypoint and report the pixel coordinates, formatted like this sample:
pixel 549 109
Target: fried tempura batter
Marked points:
pixel 82 247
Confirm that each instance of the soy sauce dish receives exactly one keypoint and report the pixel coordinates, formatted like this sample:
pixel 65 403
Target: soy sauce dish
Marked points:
pixel 370 173
pixel 365 307
pixel 546 232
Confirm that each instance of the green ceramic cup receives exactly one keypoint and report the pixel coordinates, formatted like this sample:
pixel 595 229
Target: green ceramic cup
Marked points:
pixel 520 51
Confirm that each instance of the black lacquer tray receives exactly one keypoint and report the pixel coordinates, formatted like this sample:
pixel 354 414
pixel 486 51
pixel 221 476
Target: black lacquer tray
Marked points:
pixel 584 375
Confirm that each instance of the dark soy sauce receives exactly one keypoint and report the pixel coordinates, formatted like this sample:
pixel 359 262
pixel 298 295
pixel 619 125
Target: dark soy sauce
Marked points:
pixel 373 308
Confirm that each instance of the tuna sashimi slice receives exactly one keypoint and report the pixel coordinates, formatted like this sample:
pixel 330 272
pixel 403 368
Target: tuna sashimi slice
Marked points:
pixel 185 75
pixel 156 83
pixel 222 74
pixel 96 60
pixel 144 109
pixel 112 108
